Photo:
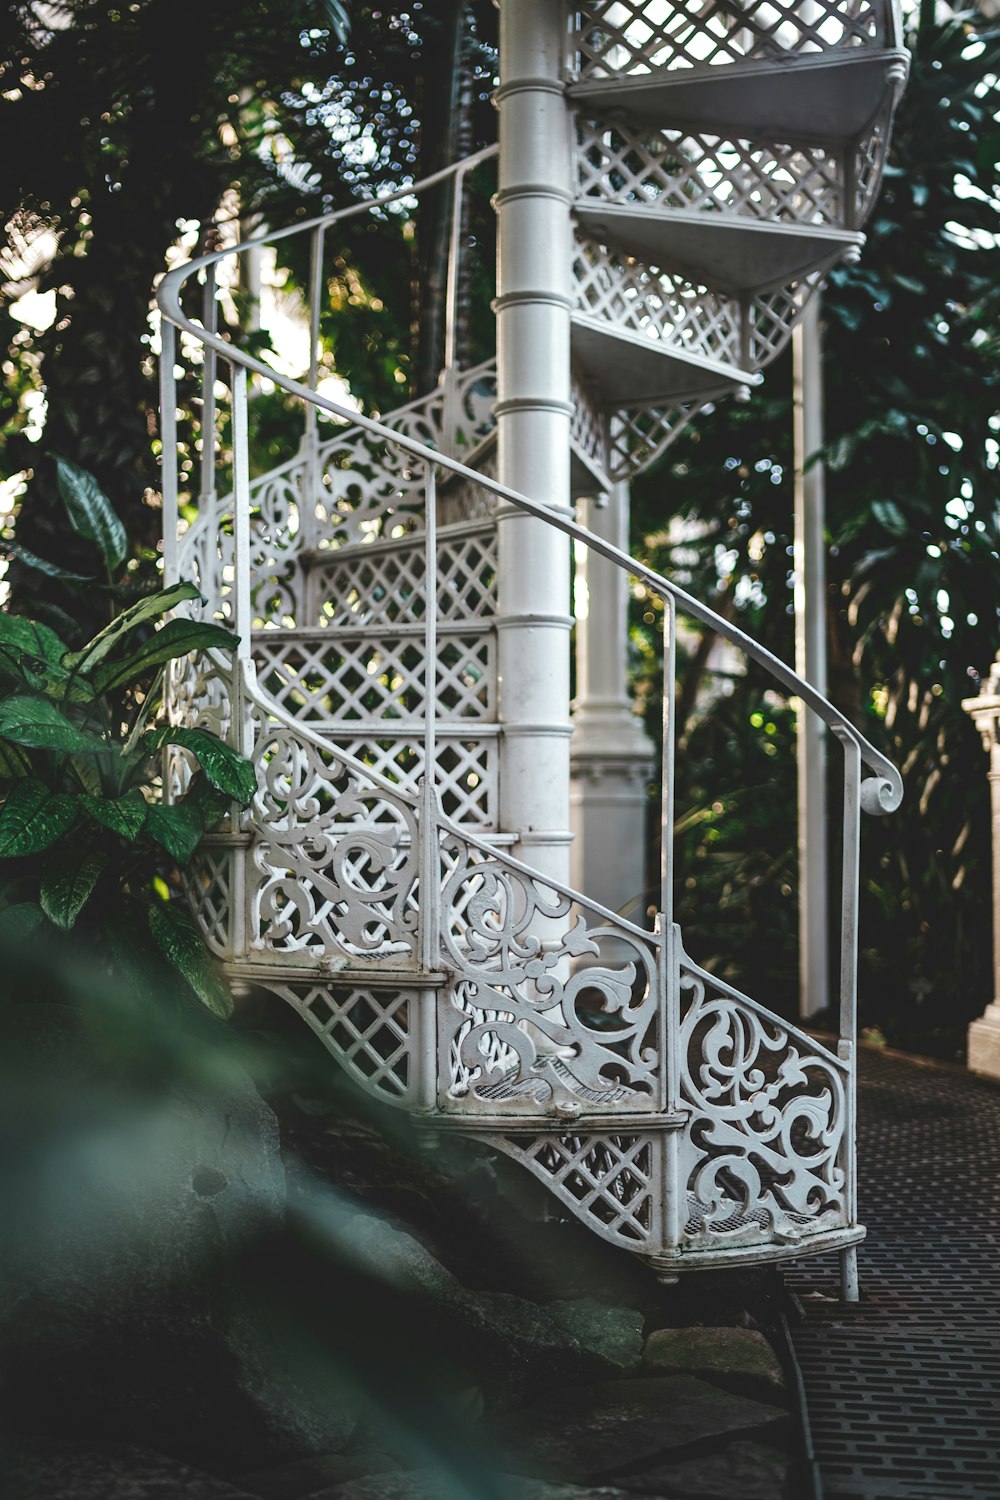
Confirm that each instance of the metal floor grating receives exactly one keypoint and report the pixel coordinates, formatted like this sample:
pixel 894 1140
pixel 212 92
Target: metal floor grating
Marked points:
pixel 904 1387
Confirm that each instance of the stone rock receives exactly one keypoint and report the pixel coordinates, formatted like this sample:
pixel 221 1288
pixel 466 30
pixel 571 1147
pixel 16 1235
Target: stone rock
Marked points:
pixel 516 1342
pixel 597 1433
pixel 107 1471
pixel 304 1476
pixel 138 1193
pixel 750 1471
pixel 614 1334
pixel 739 1359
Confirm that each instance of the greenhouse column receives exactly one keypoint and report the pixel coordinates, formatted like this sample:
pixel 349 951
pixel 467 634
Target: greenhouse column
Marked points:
pixel 984 1034
pixel 533 428
pixel 810 661
pixel 612 757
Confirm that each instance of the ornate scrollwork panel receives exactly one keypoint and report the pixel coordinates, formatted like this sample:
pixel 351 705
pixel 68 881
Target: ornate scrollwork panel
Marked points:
pixel 335 855
pixel 553 1007
pixel 762 1155
pixel 198 694
pixel 275 574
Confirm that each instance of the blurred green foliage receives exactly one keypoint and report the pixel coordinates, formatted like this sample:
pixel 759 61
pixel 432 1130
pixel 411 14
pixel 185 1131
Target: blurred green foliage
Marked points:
pixel 912 367
pixel 147 130
pixel 85 845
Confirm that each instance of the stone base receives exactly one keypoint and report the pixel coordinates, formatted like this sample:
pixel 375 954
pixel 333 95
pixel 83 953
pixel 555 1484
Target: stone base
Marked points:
pixel 984 1043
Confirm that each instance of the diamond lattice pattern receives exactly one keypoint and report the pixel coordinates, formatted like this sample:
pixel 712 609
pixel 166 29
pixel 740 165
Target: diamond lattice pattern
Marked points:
pixel 635 37
pixel 621 164
pixel 344 676
pixel 605 1178
pixel 385 584
pixel 367 1030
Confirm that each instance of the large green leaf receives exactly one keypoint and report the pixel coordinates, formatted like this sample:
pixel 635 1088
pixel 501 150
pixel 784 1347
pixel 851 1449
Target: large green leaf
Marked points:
pixel 67 883
pixel 181 942
pixel 33 817
pixel 14 762
pixel 135 955
pixel 179 829
pixel 39 724
pixel 125 816
pixel 227 770
pixel 20 921
pixel 176 638
pixel 149 608
pixel 90 511
pixel 181 826
pixel 41 565
pixel 30 636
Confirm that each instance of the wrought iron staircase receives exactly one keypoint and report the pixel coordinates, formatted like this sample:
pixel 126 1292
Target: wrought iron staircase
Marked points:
pixel 372 885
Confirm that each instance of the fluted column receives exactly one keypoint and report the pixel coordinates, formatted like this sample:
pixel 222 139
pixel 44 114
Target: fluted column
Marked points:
pixel 533 428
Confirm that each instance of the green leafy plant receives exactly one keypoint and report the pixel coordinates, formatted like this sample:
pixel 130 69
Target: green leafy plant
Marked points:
pixel 85 845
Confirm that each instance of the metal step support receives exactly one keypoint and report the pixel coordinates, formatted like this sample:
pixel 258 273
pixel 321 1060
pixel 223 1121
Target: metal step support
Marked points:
pixel 402 679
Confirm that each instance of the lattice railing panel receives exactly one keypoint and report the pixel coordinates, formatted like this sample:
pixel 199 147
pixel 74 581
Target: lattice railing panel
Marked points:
pixel 353 675
pixel 208 885
pixel 588 425
pixel 630 37
pixel 639 436
pixel 608 1181
pixel 772 317
pixel 674 169
pixel 763 1153
pixel 367 1030
pixel 384 584
pixel 555 1006
pixel 661 306
pixel 869 166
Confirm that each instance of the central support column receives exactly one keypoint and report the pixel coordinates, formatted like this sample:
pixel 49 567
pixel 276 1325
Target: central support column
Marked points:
pixel 533 429
pixel 811 663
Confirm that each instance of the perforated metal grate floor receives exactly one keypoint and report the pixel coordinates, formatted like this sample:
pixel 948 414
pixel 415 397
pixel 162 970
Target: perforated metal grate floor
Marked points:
pixel 904 1387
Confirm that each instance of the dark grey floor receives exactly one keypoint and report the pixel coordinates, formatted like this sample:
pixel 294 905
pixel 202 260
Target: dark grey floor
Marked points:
pixel 904 1388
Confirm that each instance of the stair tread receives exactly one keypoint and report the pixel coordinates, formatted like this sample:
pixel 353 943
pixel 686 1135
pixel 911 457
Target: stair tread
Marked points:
pixel 817 97
pixel 733 252
pixel 628 369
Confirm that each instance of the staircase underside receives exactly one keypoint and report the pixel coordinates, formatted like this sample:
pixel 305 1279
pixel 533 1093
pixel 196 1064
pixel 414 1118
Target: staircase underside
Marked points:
pixel 737 255
pixel 815 99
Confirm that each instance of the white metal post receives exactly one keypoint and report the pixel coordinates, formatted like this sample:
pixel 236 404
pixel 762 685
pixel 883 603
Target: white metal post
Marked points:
pixel 210 318
pixel 611 755
pixel 984 1034
pixel 811 662
pixel 533 429
pixel 168 449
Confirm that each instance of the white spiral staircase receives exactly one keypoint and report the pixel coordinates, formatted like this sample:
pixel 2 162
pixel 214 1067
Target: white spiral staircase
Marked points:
pixel 726 156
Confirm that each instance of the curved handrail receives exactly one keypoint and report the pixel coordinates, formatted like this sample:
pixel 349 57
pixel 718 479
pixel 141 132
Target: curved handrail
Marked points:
pixel 881 794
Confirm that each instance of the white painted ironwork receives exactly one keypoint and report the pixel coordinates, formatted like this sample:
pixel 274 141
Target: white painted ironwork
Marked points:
pixel 401 683
pixel 629 37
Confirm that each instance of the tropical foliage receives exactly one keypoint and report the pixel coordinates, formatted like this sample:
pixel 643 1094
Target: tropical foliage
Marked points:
pixel 912 368
pixel 86 847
